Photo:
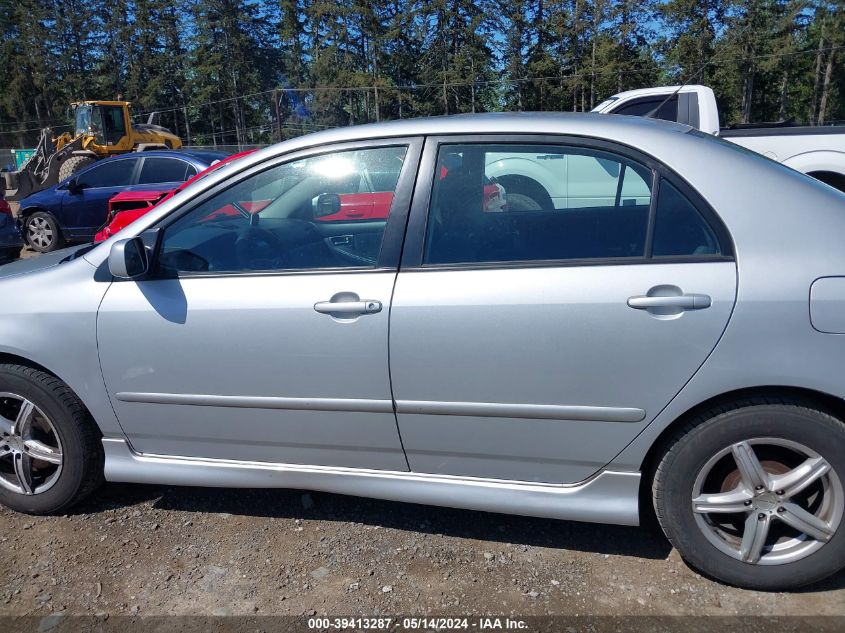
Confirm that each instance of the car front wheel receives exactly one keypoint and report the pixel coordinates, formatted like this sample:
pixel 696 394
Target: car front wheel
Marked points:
pixel 50 451
pixel 752 494
pixel 42 232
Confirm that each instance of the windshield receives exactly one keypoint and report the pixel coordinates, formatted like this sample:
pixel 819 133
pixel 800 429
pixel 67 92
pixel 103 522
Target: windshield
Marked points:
pixel 89 120
pixel 83 119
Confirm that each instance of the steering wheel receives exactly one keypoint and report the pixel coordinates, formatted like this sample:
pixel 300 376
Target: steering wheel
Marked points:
pixel 259 249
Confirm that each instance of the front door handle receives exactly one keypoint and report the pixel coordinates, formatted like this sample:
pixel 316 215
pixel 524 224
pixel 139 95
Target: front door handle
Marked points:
pixel 348 308
pixel 685 302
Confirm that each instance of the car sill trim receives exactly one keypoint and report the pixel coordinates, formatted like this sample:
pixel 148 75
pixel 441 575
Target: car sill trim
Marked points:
pixel 608 497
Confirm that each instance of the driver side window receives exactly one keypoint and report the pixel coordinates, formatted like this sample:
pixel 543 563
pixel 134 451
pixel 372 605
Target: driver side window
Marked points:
pixel 321 212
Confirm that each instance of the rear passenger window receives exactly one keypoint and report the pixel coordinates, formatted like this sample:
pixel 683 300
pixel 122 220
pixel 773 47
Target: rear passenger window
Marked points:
pixel 505 203
pixel 156 170
pixel 110 173
pixel 679 229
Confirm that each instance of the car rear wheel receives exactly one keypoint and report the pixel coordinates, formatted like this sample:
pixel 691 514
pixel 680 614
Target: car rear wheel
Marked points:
pixel 42 232
pixel 50 451
pixel 753 495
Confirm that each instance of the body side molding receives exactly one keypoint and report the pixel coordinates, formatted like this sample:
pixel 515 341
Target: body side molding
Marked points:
pixel 430 407
pixel 608 497
pixel 531 411
pixel 260 402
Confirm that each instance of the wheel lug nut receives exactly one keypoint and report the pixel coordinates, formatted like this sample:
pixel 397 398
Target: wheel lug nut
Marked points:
pixel 747 502
pixel 780 493
pixel 781 510
pixel 761 516
pixel 758 487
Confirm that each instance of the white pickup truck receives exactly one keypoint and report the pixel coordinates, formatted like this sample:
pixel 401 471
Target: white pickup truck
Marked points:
pixel 816 151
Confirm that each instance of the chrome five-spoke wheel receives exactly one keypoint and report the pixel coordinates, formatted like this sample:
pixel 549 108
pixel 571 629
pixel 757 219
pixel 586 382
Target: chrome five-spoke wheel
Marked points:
pixel 768 501
pixel 30 448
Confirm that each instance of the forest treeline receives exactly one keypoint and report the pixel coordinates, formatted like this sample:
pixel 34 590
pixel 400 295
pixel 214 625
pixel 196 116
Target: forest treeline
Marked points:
pixel 253 71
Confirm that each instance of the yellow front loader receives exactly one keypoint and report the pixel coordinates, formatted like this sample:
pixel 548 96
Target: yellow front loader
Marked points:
pixel 102 129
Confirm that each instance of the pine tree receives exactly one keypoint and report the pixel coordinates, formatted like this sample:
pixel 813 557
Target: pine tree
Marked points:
pixel 249 71
pixel 230 60
pixel 692 27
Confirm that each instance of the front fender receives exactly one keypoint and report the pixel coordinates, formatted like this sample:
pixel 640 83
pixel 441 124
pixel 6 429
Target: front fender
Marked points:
pixel 48 316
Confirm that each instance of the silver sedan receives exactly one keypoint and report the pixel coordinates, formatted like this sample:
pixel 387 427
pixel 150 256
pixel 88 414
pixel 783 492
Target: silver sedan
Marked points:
pixel 572 316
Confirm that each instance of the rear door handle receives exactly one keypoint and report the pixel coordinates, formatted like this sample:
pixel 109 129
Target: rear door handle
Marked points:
pixel 348 308
pixel 685 302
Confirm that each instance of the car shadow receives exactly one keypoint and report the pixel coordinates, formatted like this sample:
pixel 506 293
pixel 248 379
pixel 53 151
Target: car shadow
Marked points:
pixel 642 542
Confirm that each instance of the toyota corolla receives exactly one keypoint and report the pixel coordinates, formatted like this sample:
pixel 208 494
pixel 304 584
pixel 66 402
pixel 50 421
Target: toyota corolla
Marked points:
pixel 667 334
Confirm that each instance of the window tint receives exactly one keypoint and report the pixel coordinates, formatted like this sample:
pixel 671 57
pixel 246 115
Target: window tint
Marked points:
pixel 642 107
pixel 327 211
pixel 679 228
pixel 497 203
pixel 111 173
pixel 156 170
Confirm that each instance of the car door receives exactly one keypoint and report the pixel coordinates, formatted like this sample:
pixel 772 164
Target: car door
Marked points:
pixel 85 205
pixel 535 345
pixel 262 335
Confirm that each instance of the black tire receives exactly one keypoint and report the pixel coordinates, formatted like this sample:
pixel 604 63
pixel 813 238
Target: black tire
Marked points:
pixel 528 194
pixel 520 202
pixel 73 165
pixel 691 449
pixel 42 232
pixel 82 465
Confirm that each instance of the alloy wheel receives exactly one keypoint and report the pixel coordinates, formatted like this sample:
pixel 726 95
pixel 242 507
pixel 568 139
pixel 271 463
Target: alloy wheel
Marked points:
pixel 768 501
pixel 39 232
pixel 30 449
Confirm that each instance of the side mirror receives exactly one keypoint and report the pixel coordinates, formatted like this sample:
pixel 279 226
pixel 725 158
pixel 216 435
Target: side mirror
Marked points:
pixel 326 204
pixel 128 259
pixel 74 186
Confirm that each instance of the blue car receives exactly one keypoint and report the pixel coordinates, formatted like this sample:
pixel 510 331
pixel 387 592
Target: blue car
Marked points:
pixel 74 209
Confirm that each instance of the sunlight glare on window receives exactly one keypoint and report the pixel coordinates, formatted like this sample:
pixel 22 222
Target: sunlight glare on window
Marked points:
pixel 334 167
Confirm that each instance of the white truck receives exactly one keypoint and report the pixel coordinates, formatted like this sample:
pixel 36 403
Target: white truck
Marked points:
pixel 816 151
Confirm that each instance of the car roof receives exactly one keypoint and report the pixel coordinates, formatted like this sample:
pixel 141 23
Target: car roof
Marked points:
pixel 571 123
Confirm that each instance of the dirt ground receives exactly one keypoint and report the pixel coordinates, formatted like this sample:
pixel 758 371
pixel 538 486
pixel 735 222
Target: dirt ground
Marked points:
pixel 142 550
pixel 167 550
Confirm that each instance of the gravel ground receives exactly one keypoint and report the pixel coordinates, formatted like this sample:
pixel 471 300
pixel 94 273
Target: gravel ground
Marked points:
pixel 142 550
